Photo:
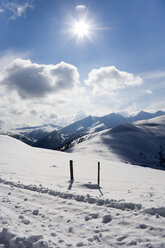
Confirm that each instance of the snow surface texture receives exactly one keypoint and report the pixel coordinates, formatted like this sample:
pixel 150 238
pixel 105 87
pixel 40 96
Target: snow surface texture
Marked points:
pixel 141 142
pixel 41 208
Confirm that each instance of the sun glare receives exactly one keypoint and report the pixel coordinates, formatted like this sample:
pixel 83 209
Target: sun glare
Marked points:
pixel 81 29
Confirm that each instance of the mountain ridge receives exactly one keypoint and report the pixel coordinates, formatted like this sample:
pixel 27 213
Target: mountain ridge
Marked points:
pixel 141 143
pixel 91 124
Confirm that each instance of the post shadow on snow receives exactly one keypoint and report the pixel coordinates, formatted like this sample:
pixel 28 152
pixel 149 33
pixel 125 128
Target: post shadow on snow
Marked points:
pixel 87 185
pixel 70 184
pixel 101 191
pixel 93 186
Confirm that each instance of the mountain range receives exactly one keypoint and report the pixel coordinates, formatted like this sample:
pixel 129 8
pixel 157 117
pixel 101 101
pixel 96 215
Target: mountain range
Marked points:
pixel 138 139
pixel 54 137
pixel 61 139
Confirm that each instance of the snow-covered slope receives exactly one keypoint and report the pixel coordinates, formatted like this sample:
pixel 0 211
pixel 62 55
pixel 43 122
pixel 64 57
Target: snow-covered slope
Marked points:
pixel 141 142
pixel 41 208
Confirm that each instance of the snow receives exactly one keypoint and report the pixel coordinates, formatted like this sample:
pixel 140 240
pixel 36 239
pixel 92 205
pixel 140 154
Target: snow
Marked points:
pixel 41 208
pixel 141 142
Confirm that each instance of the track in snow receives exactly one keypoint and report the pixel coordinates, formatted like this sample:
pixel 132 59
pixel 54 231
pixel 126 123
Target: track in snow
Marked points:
pixel 66 221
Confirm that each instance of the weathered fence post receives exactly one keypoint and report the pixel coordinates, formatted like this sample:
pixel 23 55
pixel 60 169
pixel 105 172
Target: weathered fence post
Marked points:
pixel 98 178
pixel 71 170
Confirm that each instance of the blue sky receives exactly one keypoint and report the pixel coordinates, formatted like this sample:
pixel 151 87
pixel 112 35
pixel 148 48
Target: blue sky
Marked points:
pixel 118 67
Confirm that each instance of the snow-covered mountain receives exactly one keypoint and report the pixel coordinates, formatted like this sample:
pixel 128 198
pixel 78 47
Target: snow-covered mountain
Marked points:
pixel 30 135
pixel 54 137
pixel 17 135
pixel 141 142
pixel 90 125
pixel 37 132
pixel 41 208
pixel 142 115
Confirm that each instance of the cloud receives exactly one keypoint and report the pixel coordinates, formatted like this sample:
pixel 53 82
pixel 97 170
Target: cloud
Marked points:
pixel 16 9
pixel 149 92
pixel 2 10
pixel 54 95
pixel 107 79
pixel 81 114
pixel 8 56
pixel 1 123
pixel 31 80
pixel 153 75
pixel 80 7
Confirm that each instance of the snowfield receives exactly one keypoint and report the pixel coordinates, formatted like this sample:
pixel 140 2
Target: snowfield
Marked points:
pixel 41 208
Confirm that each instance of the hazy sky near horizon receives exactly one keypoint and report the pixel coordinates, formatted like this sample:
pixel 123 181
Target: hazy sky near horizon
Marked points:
pixel 61 60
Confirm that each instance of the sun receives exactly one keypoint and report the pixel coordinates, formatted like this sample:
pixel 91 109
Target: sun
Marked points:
pixel 81 29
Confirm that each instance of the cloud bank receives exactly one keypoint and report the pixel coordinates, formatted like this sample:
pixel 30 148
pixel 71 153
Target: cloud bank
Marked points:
pixel 107 79
pixel 53 94
pixel 31 80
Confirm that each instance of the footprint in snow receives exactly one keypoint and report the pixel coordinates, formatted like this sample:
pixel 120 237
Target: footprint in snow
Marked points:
pixel 25 221
pixel 35 212
pixel 91 216
pixel 80 244
pixel 122 238
pixel 70 229
pixel 107 218
pixel 142 226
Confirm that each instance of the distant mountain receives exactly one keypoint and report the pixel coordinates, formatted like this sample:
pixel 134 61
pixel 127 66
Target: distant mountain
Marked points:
pixel 145 115
pixel 60 139
pixel 30 135
pixel 17 136
pixel 112 120
pixel 141 143
pixel 37 132
pixel 56 139
pixel 46 126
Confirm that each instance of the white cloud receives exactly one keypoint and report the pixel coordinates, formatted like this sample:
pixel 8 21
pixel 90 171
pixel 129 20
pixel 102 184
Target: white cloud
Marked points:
pixel 8 56
pixel 149 92
pixel 53 94
pixel 107 79
pixel 2 10
pixel 81 114
pixel 31 80
pixel 153 75
pixel 80 7
pixel 16 9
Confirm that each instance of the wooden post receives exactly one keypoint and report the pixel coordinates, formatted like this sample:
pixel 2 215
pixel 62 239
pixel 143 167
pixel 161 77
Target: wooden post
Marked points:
pixel 98 179
pixel 71 170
